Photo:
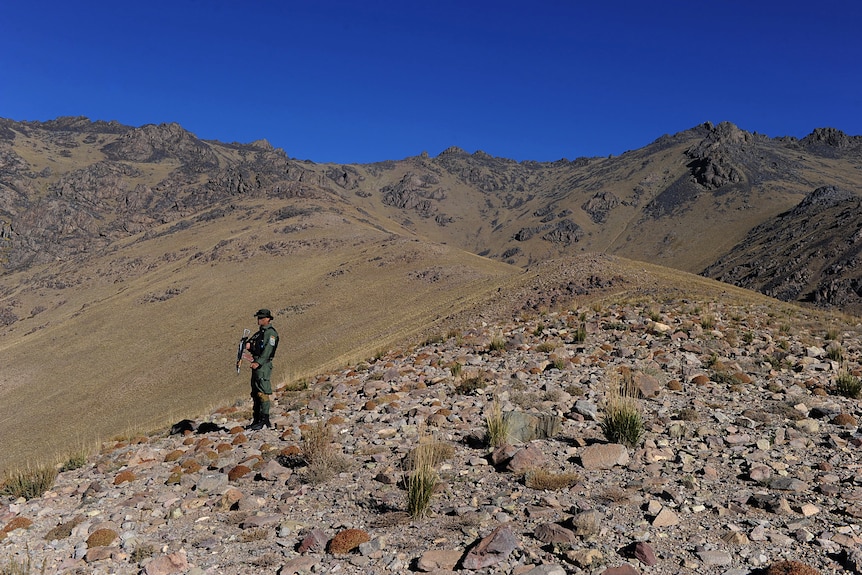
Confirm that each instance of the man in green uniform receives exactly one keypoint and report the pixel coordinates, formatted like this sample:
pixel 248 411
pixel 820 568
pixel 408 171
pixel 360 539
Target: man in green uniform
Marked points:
pixel 262 346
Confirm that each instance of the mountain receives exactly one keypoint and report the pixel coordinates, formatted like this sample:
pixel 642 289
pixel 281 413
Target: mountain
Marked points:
pixel 133 257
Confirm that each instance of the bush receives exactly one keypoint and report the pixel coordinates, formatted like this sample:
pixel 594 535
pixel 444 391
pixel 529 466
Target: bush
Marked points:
pixel 622 421
pixel 30 483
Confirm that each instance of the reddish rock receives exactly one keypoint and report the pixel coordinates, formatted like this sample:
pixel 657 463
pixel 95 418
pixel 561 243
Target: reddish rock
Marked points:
pixel 315 540
pixel 644 553
pixel 530 457
pixel 624 569
pixel 168 564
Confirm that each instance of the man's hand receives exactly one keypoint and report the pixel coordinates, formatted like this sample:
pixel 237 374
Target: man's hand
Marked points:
pixel 255 365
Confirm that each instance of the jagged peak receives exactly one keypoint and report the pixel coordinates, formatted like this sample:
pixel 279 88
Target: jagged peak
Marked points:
pixel 453 151
pixel 829 136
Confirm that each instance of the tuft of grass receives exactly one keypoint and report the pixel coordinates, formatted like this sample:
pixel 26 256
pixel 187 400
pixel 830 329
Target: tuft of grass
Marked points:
pixel 421 480
pixel 622 421
pixel 455 369
pixel 431 451
pixel 580 334
pixel 496 426
pixel 707 321
pixel 544 480
pixel 835 352
pixel 24 567
pixel 297 385
pixel 497 344
pixel 75 460
pixel 323 459
pixel 29 483
pixel 250 535
pixel 142 552
pixel 469 385
pixel 545 347
pixel 848 385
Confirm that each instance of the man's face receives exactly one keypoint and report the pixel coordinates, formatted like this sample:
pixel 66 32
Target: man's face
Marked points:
pixel 262 320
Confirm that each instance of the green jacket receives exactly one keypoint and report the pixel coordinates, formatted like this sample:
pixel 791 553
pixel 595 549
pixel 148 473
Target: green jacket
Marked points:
pixel 264 344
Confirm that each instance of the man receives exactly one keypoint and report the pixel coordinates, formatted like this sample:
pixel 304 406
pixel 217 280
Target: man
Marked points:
pixel 262 346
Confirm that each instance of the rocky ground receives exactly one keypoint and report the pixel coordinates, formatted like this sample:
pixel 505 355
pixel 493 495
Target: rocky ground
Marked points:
pixel 749 459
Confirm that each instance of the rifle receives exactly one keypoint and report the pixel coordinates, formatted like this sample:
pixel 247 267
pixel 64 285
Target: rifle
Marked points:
pixel 240 351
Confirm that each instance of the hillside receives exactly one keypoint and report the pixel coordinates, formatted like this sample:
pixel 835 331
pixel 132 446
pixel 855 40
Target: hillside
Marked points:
pixel 134 256
pixel 748 462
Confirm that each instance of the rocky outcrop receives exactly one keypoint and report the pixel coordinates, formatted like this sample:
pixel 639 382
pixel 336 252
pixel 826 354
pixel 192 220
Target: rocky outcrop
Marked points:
pixel 796 256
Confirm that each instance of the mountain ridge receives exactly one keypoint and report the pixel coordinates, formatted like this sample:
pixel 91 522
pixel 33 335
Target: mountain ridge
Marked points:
pixel 133 257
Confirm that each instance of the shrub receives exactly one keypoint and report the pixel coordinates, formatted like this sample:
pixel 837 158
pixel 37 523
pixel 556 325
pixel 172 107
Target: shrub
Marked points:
pixel 545 347
pixel 346 541
pixel 848 385
pixel 622 421
pixel 101 538
pixel 30 483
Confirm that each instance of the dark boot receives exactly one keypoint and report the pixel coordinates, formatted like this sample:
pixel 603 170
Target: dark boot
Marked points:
pixel 255 424
pixel 266 422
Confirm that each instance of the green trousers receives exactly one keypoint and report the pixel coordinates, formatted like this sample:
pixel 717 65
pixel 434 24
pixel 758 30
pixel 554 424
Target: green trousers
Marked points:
pixel 261 389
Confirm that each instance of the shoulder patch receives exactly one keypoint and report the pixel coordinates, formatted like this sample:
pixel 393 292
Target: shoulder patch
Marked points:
pixel 272 340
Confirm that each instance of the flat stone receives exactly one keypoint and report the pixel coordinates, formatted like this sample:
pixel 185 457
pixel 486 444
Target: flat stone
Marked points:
pixel 713 558
pixel 665 518
pixel 604 456
pixel 436 559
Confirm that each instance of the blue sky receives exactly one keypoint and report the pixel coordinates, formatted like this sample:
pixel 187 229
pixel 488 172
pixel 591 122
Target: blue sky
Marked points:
pixel 355 81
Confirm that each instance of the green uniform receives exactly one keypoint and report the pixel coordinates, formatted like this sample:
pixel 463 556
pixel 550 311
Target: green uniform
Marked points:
pixel 263 345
